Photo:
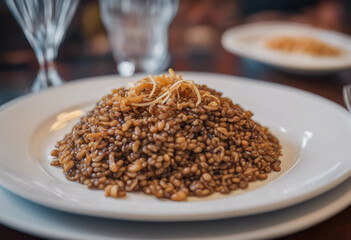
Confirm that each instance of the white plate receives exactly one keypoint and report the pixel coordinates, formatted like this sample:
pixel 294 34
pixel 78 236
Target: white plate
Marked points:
pixel 48 223
pixel 315 133
pixel 249 41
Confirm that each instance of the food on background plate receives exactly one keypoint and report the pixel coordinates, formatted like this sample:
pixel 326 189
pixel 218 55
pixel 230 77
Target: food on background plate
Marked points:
pixel 168 137
pixel 302 44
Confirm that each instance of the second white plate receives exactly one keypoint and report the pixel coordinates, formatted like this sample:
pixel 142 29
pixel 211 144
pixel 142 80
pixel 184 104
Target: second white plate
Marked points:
pixel 249 41
pixel 315 134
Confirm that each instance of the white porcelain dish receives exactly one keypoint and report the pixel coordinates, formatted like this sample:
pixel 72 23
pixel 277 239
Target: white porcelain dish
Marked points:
pixel 48 223
pixel 315 134
pixel 249 41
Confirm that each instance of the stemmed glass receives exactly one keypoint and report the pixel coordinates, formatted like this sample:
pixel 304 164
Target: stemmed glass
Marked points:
pixel 44 22
pixel 346 92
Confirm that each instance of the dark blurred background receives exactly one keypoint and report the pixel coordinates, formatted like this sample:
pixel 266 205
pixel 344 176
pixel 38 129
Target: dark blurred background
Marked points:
pixel 198 26
pixel 194 37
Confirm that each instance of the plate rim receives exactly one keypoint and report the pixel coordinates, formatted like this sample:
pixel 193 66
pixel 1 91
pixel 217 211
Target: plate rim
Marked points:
pixel 308 220
pixel 165 217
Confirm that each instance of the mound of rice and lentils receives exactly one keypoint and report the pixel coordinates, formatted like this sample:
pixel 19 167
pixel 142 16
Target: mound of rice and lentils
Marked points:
pixel 167 137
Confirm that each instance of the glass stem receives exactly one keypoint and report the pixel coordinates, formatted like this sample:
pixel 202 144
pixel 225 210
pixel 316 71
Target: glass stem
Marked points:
pixel 47 75
pixel 45 66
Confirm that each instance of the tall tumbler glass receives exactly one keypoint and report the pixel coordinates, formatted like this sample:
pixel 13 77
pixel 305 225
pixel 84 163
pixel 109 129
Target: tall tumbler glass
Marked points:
pixel 138 33
pixel 44 22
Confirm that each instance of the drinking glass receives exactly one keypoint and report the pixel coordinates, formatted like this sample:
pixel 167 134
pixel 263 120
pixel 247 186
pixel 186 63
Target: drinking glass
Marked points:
pixel 44 22
pixel 138 33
